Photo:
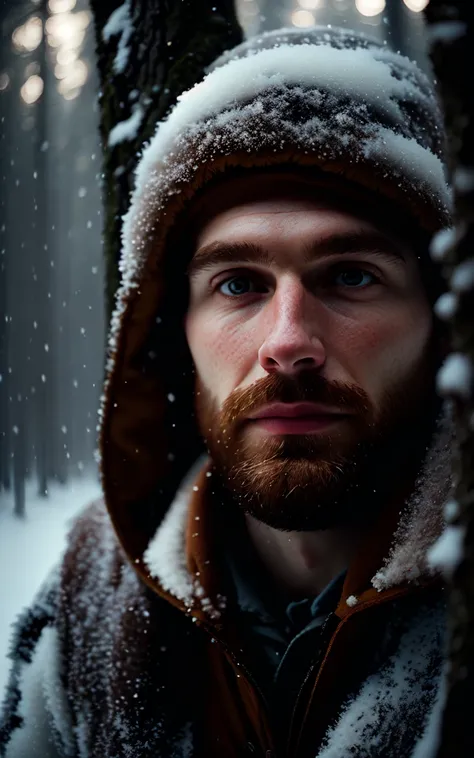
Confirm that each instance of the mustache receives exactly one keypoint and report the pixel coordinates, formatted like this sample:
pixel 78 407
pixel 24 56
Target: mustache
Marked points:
pixel 307 386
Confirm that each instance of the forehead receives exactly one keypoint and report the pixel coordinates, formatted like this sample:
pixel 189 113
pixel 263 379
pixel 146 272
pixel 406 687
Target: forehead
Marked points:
pixel 282 205
pixel 280 220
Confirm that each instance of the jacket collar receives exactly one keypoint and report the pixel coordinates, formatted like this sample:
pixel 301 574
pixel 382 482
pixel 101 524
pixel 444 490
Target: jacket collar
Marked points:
pixel 183 563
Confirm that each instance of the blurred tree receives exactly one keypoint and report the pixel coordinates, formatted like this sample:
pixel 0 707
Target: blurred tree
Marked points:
pixel 451 34
pixel 149 52
pixel 5 480
pixel 51 273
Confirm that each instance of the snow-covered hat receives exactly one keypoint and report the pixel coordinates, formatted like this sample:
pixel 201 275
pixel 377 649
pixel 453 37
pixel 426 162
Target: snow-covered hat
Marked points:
pixel 331 100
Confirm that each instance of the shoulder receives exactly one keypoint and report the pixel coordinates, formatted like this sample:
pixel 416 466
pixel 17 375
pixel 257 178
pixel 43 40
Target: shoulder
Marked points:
pixel 93 555
pixel 91 528
pixel 34 712
pixel 97 580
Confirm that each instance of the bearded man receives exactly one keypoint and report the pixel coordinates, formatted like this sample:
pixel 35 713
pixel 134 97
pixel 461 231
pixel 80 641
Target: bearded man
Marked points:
pixel 274 454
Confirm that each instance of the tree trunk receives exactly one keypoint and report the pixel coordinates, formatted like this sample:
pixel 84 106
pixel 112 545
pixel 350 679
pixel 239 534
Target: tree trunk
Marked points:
pixel 149 52
pixel 451 35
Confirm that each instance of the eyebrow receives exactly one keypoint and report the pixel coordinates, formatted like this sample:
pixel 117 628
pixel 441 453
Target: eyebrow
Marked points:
pixel 372 243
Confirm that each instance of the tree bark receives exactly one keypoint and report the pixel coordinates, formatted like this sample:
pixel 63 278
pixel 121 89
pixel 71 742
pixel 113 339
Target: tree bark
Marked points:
pixel 161 49
pixel 451 33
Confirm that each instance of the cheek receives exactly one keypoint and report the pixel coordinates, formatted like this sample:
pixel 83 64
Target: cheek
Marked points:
pixel 382 349
pixel 219 353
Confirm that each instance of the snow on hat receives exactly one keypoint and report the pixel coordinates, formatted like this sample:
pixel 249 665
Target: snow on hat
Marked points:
pixel 342 104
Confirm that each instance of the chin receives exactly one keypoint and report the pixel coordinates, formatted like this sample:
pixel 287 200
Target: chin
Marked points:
pixel 291 494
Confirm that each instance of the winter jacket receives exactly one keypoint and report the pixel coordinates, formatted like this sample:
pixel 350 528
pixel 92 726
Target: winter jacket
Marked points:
pixel 134 647
pixel 104 665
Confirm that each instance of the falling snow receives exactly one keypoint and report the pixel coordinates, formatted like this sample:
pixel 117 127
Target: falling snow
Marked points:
pixel 442 243
pixel 445 306
pixel 455 376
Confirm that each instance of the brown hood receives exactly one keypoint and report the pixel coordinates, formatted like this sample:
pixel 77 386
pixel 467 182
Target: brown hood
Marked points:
pixel 342 105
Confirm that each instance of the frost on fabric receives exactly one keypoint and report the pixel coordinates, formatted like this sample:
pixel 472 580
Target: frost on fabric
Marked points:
pixel 407 158
pixel 184 747
pixel 427 745
pixel 165 556
pixel 447 552
pixel 365 74
pixel 126 130
pixel 47 726
pixel 120 23
pixel 455 377
pixel 422 521
pixel 310 66
pixel 398 691
pixel 108 622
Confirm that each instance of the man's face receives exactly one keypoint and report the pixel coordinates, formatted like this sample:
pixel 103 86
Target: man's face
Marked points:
pixel 298 302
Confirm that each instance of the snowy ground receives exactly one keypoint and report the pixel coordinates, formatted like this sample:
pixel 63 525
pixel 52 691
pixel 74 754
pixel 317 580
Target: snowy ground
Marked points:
pixel 30 548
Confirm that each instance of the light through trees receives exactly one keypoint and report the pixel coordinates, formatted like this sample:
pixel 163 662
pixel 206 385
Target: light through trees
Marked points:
pixel 370 7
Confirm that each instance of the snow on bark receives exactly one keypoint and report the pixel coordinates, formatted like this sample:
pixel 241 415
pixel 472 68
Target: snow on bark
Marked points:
pixel 455 377
pixel 446 554
pixel 462 278
pixel 117 21
pixel 120 23
pixel 442 243
pixel 126 130
pixel 445 306
pixel 450 33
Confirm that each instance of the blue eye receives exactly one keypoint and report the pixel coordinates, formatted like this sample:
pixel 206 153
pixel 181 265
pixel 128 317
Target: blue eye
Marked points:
pixel 236 285
pixel 355 278
pixel 350 277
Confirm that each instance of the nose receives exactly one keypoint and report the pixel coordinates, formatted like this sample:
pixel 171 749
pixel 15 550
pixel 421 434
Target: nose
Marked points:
pixel 291 343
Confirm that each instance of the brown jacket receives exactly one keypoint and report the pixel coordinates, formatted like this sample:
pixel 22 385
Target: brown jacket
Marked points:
pixel 149 663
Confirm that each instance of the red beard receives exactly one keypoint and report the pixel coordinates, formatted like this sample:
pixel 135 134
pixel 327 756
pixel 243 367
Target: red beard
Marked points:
pixel 317 481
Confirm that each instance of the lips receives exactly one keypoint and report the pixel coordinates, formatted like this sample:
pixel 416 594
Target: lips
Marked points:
pixel 295 411
pixel 296 418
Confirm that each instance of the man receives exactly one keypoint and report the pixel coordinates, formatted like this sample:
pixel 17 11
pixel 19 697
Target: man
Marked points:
pixel 274 456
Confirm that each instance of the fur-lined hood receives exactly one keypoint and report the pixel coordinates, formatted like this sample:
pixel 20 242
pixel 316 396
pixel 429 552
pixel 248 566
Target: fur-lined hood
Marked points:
pixel 341 105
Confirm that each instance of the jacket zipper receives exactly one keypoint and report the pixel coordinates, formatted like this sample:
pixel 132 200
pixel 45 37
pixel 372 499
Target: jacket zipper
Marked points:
pixel 327 631
pixel 269 753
